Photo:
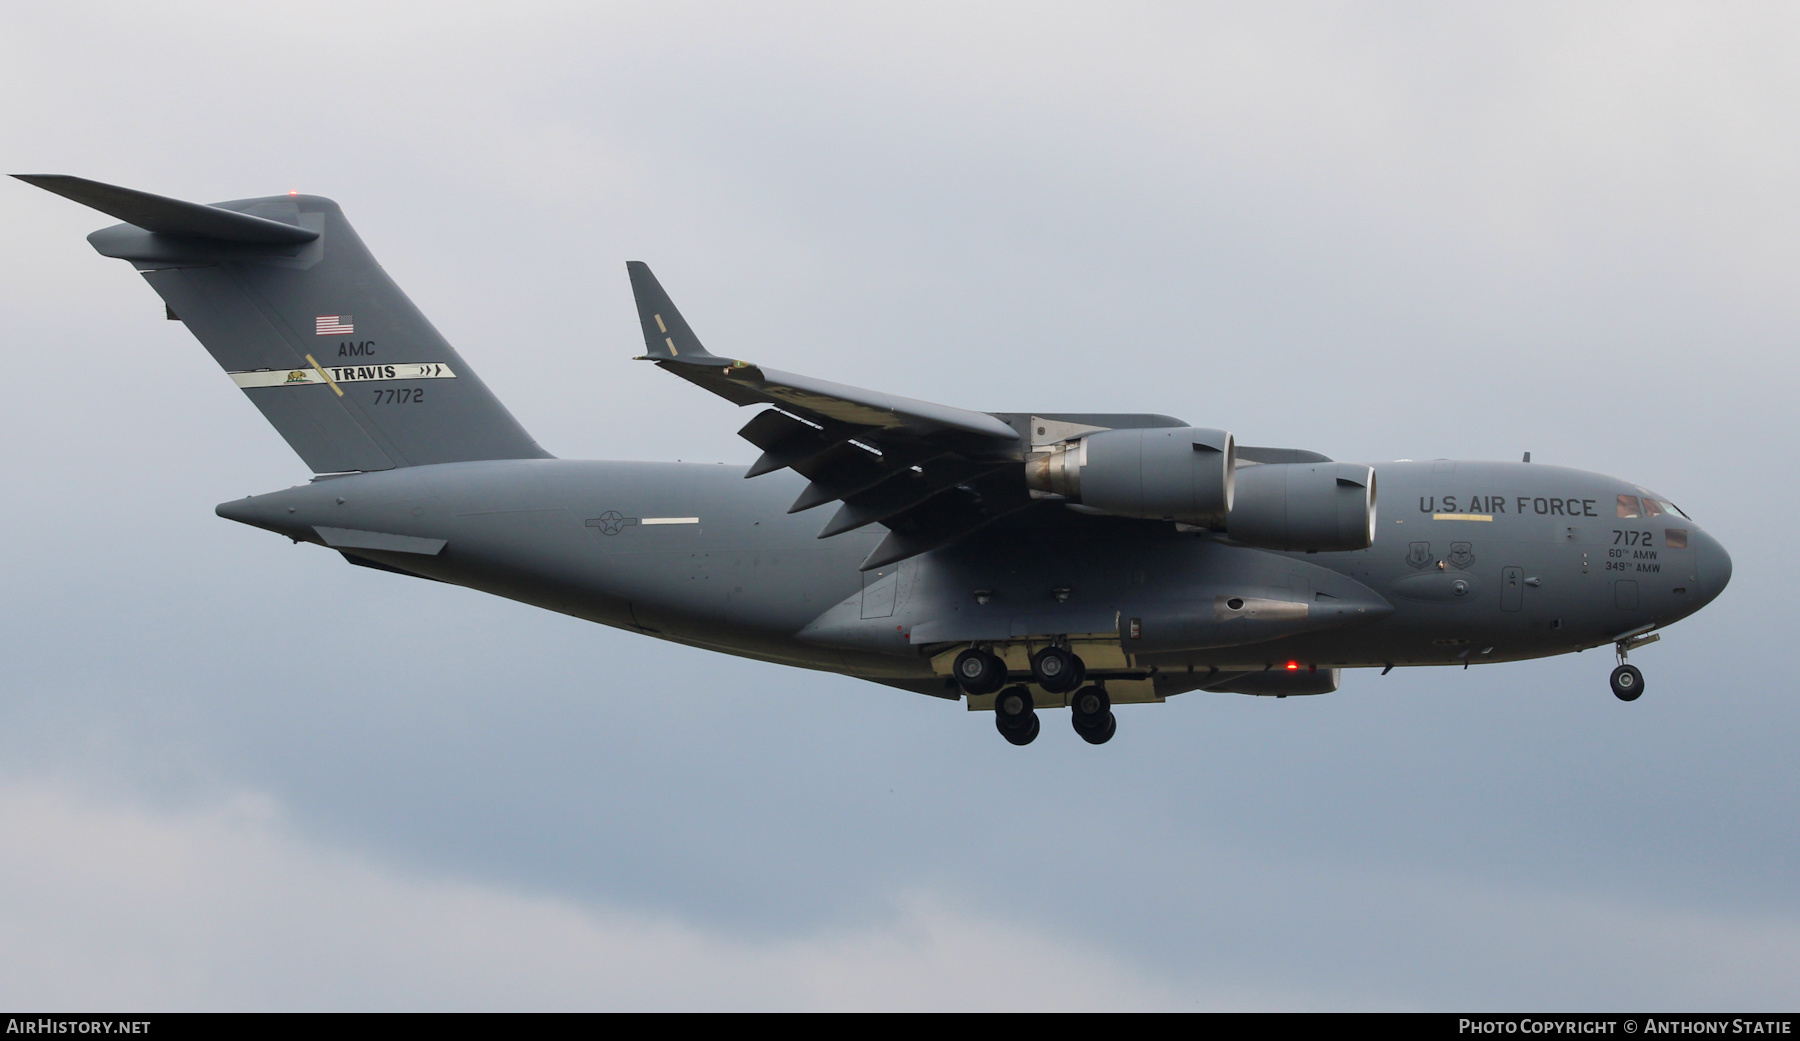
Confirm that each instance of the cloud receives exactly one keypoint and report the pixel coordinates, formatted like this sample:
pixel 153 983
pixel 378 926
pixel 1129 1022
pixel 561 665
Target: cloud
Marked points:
pixel 226 907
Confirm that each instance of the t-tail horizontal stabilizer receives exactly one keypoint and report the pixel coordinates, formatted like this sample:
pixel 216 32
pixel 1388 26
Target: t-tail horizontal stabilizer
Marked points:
pixel 166 216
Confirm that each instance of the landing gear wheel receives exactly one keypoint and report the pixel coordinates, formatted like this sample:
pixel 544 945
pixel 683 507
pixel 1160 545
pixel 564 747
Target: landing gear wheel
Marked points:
pixel 1101 734
pixel 1015 716
pixel 1090 706
pixel 1013 708
pixel 1026 736
pixel 1091 715
pixel 979 672
pixel 1627 683
pixel 1056 670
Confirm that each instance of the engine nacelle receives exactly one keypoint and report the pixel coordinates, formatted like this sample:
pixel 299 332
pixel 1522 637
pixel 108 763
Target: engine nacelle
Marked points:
pixel 1184 474
pixel 1313 506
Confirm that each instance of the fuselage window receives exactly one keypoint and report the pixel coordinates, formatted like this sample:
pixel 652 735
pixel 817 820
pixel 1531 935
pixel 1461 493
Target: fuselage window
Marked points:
pixel 1675 538
pixel 1629 507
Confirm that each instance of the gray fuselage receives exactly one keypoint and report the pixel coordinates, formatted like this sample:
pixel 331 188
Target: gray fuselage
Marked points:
pixel 1472 562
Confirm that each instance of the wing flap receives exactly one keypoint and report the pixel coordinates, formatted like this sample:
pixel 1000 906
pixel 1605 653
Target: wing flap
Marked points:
pixel 949 516
pixel 897 494
pixel 840 471
pixel 787 440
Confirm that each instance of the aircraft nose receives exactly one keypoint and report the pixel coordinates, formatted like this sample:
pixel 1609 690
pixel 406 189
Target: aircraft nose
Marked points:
pixel 1714 565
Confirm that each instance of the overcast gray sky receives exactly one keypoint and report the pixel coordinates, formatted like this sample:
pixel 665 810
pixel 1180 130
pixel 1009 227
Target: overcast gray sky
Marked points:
pixel 235 773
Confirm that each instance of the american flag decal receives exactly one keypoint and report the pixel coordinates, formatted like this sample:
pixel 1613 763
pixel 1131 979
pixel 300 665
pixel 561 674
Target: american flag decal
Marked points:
pixel 333 325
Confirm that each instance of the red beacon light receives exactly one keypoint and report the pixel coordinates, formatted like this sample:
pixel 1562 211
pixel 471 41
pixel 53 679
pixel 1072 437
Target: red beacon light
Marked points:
pixel 1293 666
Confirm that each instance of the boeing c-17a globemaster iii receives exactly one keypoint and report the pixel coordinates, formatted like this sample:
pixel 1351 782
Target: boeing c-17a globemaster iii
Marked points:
pixel 1015 561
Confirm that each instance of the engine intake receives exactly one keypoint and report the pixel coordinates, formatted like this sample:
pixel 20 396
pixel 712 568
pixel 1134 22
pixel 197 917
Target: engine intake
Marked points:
pixel 1183 474
pixel 1310 506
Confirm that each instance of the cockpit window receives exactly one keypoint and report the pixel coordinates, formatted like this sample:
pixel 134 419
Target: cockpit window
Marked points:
pixel 1629 506
pixel 1653 505
pixel 1675 538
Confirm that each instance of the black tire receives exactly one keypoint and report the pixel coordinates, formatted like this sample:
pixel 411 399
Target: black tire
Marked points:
pixel 1090 706
pixel 1023 735
pixel 1627 683
pixel 1100 734
pixel 1056 670
pixel 1014 710
pixel 979 672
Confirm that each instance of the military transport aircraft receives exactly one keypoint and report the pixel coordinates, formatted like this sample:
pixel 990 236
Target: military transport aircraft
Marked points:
pixel 1015 561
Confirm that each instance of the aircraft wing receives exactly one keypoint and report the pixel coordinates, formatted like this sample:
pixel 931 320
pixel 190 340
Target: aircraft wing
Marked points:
pixel 929 473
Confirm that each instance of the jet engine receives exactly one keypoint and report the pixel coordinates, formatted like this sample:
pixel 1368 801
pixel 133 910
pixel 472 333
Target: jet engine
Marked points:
pixel 1183 474
pixel 1310 506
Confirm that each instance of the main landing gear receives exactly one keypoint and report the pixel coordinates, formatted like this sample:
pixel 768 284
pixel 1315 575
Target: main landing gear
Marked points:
pixel 1057 670
pixel 1091 713
pixel 979 672
pixel 1015 716
pixel 1627 681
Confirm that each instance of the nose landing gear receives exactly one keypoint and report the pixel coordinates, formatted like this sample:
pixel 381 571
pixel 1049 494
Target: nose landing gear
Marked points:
pixel 1627 681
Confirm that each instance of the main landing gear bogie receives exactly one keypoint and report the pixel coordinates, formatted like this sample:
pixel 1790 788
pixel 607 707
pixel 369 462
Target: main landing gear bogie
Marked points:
pixel 1015 715
pixel 979 672
pixel 1090 712
pixel 1057 669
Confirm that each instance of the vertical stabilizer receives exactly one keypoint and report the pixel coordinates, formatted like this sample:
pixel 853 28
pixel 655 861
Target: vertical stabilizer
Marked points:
pixel 288 300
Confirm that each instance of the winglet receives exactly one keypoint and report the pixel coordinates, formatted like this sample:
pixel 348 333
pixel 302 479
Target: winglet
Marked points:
pixel 666 334
pixel 166 216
